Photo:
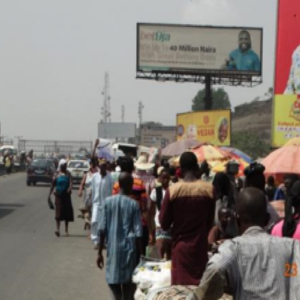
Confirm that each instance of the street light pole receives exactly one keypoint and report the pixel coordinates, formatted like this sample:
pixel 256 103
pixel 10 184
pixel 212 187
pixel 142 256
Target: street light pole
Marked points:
pixel 2 139
pixel 140 113
pixel 18 137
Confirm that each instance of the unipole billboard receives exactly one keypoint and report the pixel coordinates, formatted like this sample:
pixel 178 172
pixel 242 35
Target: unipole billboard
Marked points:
pixel 212 127
pixel 185 49
pixel 116 130
pixel 286 106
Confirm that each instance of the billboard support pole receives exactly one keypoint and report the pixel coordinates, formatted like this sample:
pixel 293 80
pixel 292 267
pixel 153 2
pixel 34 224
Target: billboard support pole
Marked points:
pixel 208 97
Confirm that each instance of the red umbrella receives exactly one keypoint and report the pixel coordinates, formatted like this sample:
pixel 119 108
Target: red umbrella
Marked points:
pixel 285 160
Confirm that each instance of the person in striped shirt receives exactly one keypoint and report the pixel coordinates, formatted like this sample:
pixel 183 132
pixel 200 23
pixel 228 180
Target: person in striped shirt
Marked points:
pixel 138 194
pixel 142 168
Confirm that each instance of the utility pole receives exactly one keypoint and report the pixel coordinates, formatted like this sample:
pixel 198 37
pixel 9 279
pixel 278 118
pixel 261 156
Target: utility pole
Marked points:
pixel 140 113
pixel 18 137
pixel 123 114
pixel 105 109
pixel 208 97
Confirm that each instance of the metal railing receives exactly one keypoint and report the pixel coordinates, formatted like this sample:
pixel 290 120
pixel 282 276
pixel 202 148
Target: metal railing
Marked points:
pixel 40 147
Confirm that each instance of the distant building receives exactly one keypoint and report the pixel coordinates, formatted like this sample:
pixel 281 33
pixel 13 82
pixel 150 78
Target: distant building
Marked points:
pixel 255 117
pixel 156 135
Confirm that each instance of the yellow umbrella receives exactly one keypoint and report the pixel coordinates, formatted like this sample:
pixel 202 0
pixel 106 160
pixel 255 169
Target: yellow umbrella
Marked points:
pixel 205 152
pixel 293 142
pixel 209 153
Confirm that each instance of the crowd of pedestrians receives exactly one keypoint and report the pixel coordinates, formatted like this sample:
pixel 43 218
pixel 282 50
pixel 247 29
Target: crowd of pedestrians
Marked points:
pixel 220 234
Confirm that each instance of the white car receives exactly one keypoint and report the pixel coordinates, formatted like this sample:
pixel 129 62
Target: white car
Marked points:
pixel 77 169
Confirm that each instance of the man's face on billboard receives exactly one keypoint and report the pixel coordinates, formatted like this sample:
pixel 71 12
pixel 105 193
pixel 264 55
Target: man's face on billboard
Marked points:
pixel 244 41
pixel 223 133
pixel 192 132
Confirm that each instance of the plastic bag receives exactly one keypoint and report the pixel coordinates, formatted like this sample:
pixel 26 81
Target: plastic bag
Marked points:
pixel 139 295
pixel 152 252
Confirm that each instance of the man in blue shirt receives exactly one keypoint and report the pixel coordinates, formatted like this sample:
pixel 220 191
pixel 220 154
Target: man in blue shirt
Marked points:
pixel 283 190
pixel 121 227
pixel 244 58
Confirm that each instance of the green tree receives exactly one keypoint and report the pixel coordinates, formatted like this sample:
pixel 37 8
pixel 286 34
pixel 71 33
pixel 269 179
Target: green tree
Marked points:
pixel 250 143
pixel 219 96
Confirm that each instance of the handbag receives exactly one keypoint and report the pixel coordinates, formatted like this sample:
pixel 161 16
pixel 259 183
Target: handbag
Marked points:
pixel 50 204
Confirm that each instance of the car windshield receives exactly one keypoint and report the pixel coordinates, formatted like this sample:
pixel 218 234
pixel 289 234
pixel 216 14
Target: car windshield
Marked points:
pixel 78 156
pixel 42 163
pixel 78 165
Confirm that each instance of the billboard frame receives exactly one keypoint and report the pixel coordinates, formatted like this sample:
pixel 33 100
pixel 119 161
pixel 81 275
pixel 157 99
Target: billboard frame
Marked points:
pixel 130 126
pixel 210 111
pixel 230 78
pixel 274 76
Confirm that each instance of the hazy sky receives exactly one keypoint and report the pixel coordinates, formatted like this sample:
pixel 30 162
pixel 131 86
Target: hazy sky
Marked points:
pixel 53 56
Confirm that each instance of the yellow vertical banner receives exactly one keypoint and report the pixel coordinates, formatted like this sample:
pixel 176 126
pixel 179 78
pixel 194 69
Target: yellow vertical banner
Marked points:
pixel 286 119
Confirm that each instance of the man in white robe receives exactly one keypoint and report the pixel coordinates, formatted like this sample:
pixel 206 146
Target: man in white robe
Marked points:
pixel 102 186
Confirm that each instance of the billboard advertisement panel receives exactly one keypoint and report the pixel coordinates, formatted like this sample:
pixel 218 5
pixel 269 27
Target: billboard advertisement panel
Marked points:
pixel 286 112
pixel 187 49
pixel 117 130
pixel 205 126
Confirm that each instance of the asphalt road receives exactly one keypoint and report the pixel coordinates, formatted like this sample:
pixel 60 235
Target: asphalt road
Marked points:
pixel 34 263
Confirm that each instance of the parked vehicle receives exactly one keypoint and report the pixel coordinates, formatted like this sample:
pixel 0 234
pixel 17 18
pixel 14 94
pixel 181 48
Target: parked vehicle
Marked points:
pixel 54 160
pixel 40 170
pixel 8 149
pixel 78 156
pixel 127 149
pixel 77 169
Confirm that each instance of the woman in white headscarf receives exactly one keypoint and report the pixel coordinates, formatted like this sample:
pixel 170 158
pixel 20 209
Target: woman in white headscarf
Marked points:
pixel 293 85
pixel 63 204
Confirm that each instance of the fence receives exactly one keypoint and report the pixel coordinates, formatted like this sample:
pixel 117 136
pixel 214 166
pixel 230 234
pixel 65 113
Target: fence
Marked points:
pixel 5 141
pixel 40 147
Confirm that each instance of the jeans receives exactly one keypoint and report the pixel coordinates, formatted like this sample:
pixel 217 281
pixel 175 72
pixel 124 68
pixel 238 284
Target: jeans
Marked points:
pixel 122 291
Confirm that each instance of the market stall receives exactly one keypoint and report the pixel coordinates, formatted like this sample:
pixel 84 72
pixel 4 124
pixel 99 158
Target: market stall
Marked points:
pixel 153 280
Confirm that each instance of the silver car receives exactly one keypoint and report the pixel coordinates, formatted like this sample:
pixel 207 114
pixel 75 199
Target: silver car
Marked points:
pixel 77 169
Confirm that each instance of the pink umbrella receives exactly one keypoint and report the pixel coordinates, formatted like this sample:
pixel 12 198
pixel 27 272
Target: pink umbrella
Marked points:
pixel 285 160
pixel 177 148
